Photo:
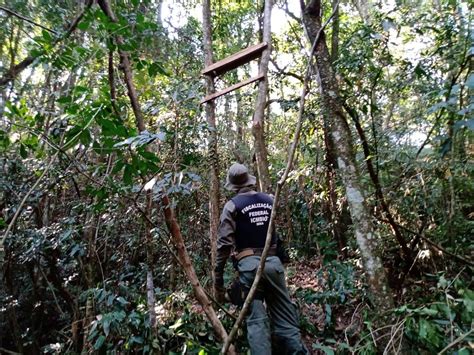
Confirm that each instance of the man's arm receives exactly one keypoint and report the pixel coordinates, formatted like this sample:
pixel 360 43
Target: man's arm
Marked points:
pixel 225 243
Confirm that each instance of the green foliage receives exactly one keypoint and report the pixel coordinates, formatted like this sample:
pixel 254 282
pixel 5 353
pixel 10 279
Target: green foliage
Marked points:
pixel 432 322
pixel 81 241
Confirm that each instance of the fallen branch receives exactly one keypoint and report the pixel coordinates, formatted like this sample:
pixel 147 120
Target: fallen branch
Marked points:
pixel 176 257
pixel 458 340
pixel 183 255
pixel 281 182
pixel 6 351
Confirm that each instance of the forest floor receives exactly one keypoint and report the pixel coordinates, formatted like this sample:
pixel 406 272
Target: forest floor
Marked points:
pixel 323 317
pixel 328 318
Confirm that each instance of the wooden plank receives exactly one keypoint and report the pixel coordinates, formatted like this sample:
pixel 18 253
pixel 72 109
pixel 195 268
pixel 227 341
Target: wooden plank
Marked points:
pixel 232 88
pixel 235 60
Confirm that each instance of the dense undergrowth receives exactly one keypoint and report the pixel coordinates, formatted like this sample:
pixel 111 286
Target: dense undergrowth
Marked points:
pixel 78 246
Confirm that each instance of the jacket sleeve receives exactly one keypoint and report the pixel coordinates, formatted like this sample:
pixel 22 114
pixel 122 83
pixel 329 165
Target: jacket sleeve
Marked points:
pixel 225 241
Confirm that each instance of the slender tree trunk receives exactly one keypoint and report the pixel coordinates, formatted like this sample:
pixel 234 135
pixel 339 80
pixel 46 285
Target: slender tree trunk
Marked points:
pixel 126 68
pixel 364 228
pixel 335 32
pixel 170 219
pixel 111 77
pixel 261 153
pixel 363 7
pixel 150 288
pixel 239 138
pixel 140 122
pixel 334 214
pixel 212 147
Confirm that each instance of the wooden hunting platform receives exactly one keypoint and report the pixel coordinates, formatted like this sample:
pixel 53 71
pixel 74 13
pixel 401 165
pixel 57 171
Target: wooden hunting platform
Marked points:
pixel 231 88
pixel 235 60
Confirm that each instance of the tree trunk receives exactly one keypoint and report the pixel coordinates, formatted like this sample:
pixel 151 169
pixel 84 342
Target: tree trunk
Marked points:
pixel 363 7
pixel 212 147
pixel 140 122
pixel 335 32
pixel 364 229
pixel 171 222
pixel 333 214
pixel 261 153
pixel 126 68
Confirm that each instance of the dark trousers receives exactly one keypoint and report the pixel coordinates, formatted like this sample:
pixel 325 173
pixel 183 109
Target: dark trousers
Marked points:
pixel 279 308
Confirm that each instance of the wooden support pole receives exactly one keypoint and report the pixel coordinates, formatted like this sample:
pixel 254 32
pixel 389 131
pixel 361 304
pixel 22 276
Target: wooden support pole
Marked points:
pixel 232 88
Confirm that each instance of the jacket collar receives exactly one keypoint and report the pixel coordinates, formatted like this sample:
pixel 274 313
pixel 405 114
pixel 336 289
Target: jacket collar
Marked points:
pixel 245 189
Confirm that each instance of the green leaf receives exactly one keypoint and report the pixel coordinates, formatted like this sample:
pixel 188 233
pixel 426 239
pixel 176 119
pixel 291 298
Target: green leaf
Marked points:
pixel 46 36
pixel 327 308
pixel 108 127
pixel 424 328
pixel 469 124
pixel 149 156
pixel 118 166
pixel 155 68
pixel 143 138
pixel 106 325
pixel 23 152
pixel 468 301
pixel 419 71
pixel 64 100
pixel 84 25
pixel 327 350
pixel 136 339
pixel 85 137
pixel 122 300
pixel 127 174
pixel 427 311
pixel 99 342
pixel 76 131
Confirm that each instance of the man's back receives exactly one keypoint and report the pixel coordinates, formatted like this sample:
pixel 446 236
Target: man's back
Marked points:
pixel 252 218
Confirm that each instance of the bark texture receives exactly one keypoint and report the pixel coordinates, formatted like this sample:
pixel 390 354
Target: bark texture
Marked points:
pixel 258 131
pixel 213 157
pixel 364 229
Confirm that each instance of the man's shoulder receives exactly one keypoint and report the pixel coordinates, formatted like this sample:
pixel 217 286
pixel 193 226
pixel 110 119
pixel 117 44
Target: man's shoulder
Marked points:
pixel 245 198
pixel 229 206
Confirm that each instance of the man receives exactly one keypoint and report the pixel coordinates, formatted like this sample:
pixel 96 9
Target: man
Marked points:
pixel 243 229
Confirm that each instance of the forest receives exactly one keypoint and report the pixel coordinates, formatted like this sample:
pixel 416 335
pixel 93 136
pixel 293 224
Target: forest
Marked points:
pixel 119 120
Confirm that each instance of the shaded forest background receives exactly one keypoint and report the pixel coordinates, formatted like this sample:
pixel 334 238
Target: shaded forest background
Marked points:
pixel 106 154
